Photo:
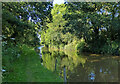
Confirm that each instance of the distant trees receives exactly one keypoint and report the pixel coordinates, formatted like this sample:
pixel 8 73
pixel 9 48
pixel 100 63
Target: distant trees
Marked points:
pixel 97 23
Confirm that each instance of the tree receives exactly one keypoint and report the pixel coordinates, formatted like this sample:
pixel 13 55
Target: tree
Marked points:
pixel 17 23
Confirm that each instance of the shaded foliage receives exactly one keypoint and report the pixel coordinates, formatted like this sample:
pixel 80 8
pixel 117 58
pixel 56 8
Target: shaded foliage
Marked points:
pixel 22 21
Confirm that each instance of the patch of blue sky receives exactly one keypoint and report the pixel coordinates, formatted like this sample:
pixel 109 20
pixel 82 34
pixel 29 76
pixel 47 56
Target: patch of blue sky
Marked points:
pixel 103 11
pixel 58 2
pixel 33 6
pixel 116 15
pixel 20 17
pixel 102 28
pixel 29 18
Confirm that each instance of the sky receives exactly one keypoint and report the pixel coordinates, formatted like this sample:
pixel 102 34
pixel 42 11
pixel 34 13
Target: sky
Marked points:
pixel 54 2
pixel 58 2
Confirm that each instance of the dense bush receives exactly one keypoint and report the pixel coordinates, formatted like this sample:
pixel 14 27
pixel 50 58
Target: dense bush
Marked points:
pixel 9 54
pixel 71 46
pixel 61 46
pixel 80 45
pixel 111 48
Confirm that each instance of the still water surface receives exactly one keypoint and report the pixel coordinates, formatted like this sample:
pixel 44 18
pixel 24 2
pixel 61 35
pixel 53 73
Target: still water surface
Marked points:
pixel 81 68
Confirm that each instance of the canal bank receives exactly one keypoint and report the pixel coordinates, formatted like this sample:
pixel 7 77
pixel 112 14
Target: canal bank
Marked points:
pixel 28 68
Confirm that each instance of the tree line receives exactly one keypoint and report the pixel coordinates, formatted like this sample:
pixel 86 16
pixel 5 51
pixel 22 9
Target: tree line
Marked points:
pixel 84 26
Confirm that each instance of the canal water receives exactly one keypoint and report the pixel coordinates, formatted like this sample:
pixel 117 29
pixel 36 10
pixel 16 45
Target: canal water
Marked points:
pixel 81 68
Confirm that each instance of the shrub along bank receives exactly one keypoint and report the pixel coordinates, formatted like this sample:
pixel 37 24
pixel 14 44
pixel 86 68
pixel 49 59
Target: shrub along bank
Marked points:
pixel 112 48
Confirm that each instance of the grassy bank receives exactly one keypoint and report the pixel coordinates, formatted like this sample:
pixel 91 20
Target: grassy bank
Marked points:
pixel 26 67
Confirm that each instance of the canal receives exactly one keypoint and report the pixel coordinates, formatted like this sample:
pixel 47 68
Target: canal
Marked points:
pixel 84 67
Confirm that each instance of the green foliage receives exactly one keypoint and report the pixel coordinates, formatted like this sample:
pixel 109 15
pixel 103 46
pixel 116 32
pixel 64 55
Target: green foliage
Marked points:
pixel 106 49
pixel 9 55
pixel 54 35
pixel 17 24
pixel 71 46
pixel 26 68
pixel 94 22
pixel 111 48
pixel 79 47
pixel 62 47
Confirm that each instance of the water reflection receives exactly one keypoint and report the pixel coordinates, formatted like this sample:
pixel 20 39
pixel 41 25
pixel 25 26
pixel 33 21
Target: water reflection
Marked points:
pixel 81 68
pixel 39 51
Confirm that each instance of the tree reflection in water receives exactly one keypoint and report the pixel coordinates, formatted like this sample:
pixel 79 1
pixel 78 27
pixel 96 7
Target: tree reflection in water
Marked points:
pixel 81 68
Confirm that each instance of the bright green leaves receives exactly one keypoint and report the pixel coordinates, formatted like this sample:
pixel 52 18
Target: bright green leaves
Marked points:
pixel 54 33
pixel 59 9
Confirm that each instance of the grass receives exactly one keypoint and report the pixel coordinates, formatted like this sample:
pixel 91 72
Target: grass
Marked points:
pixel 28 68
